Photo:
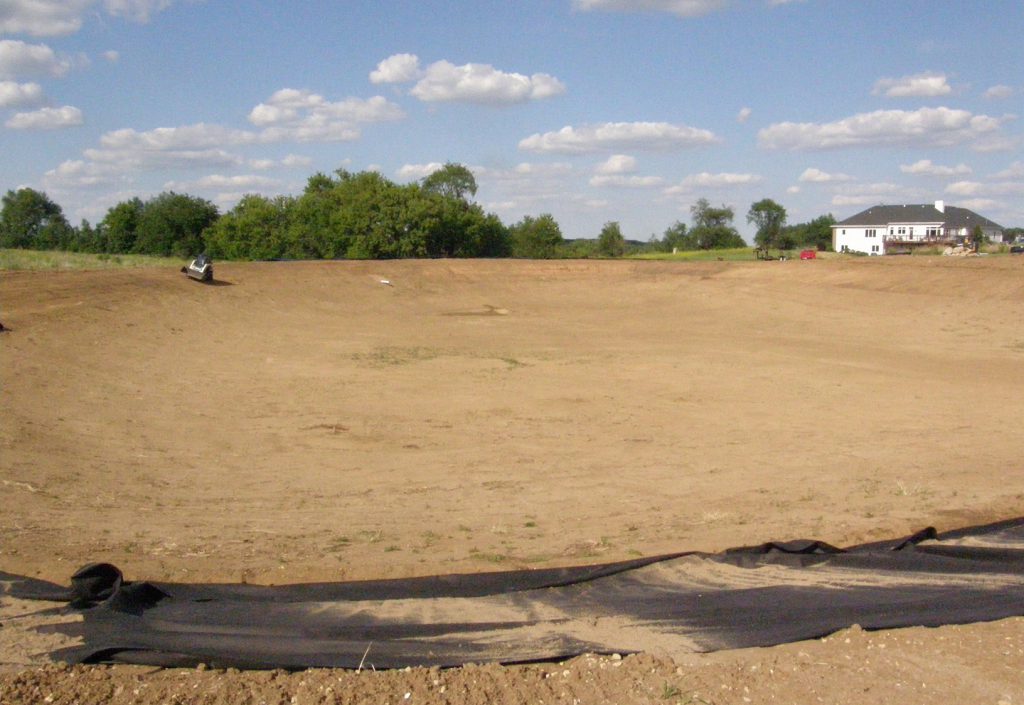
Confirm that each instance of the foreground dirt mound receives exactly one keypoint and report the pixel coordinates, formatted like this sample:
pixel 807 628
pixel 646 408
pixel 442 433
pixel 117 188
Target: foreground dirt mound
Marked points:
pixel 305 421
pixel 980 664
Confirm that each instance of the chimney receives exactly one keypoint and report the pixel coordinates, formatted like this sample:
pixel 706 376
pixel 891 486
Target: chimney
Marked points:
pixel 940 206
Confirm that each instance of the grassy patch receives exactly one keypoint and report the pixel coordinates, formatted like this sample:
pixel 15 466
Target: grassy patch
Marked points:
pixel 730 255
pixel 33 260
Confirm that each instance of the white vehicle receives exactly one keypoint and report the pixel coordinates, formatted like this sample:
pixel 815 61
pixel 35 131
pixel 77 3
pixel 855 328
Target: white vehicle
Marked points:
pixel 200 269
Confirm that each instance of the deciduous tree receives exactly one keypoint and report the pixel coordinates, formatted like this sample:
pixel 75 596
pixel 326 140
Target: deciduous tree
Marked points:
pixel 31 220
pixel 770 219
pixel 611 243
pixel 537 238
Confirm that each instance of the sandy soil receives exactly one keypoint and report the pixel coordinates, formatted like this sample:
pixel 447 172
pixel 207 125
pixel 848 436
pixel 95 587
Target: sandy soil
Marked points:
pixel 304 421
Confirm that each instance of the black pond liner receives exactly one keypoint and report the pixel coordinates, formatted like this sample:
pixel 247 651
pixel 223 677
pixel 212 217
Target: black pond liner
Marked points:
pixel 751 596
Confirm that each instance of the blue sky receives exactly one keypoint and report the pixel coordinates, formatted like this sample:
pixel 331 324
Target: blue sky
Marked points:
pixel 591 110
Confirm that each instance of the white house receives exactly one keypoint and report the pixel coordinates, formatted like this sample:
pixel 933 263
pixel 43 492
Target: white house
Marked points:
pixel 871 231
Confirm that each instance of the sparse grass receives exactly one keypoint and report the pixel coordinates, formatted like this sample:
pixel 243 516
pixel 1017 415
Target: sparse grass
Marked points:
pixel 730 255
pixel 32 260
pixel 389 356
pixel 371 536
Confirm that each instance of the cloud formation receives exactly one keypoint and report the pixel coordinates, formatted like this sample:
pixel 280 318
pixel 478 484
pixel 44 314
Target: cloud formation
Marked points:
pixel 444 82
pixel 16 95
pixel 617 164
pixel 818 176
pixel 46 119
pixel 482 83
pixel 925 167
pixel 626 181
pixel 51 18
pixel 922 85
pixel 998 92
pixel 21 60
pixel 925 126
pixel 681 8
pixel 303 116
pixel 705 180
pixel 398 68
pixel 652 136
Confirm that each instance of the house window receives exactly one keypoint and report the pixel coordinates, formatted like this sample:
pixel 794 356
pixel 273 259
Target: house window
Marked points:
pixel 874 248
pixel 844 231
pixel 869 233
pixel 932 232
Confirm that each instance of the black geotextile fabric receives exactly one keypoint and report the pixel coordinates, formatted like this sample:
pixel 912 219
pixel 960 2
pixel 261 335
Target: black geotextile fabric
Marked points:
pixel 751 596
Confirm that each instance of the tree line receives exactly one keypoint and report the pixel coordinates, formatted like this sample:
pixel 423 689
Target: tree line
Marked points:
pixel 366 216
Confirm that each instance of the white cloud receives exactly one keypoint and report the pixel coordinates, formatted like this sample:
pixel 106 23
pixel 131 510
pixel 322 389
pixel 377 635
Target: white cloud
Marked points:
pixel 657 136
pixel 975 188
pixel 46 119
pixel 262 164
pixel 18 60
pixel 682 8
pixel 199 145
pixel 415 172
pixel 482 83
pixel 50 18
pixel 187 137
pixel 856 200
pixel 79 174
pixel 617 164
pixel 978 204
pixel 112 56
pixel 998 92
pixel 743 115
pixel 42 18
pixel 136 10
pixel 964 188
pixel 820 177
pixel 871 194
pixel 793 189
pixel 708 180
pixel 294 161
pixel 925 126
pixel 299 115
pixel 626 181
pixel 15 95
pixel 397 68
pixel 239 182
pixel 925 167
pixel 1014 171
pixel 922 85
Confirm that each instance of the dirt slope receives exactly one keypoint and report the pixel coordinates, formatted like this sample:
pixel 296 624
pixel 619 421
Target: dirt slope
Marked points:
pixel 304 421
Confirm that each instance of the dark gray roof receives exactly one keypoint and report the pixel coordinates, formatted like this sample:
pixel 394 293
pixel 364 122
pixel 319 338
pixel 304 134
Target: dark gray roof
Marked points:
pixel 952 217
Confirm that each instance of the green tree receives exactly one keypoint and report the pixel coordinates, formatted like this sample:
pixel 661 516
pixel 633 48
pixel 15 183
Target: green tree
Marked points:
pixel 256 228
pixel 712 227
pixel 676 237
pixel 452 181
pixel 537 238
pixel 29 219
pixel 611 243
pixel 770 219
pixel 816 233
pixel 87 238
pixel 173 224
pixel 117 229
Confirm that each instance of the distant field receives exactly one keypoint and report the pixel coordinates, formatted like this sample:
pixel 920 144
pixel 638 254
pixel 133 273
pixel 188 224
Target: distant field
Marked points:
pixel 50 259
